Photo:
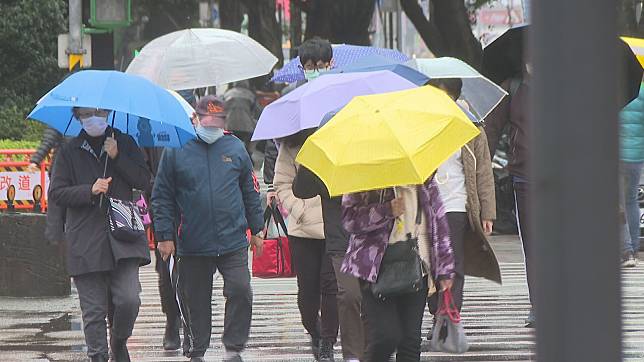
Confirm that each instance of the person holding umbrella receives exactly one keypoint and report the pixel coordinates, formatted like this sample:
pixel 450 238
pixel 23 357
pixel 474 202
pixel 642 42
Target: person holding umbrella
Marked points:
pixel 210 184
pixel 466 186
pixel 101 161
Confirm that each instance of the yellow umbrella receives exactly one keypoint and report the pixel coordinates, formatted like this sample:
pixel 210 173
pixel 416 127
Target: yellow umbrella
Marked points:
pixel 637 45
pixel 385 140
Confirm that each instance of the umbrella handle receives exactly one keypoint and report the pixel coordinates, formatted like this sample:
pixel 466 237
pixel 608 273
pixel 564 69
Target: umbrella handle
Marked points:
pixel 107 158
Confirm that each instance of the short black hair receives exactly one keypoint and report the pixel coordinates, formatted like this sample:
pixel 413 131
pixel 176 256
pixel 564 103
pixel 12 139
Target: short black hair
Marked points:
pixel 453 86
pixel 315 49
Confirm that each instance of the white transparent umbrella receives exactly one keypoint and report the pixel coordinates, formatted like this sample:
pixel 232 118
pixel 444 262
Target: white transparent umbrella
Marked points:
pixel 201 57
pixel 479 92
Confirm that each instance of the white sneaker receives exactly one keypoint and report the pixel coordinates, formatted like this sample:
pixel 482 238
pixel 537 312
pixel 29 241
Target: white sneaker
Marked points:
pixel 629 261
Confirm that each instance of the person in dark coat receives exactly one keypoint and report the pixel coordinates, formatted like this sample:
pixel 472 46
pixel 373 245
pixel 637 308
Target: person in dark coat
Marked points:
pixel 210 183
pixel 55 223
pixel 242 112
pixel 514 111
pixel 104 269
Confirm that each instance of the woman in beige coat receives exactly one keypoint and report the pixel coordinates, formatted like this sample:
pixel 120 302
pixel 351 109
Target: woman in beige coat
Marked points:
pixel 317 286
pixel 466 185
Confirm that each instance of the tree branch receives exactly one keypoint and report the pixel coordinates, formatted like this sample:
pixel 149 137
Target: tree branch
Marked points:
pixel 428 31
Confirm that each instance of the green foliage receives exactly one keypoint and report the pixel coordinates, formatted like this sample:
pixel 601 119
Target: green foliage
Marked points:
pixel 18 145
pixel 28 43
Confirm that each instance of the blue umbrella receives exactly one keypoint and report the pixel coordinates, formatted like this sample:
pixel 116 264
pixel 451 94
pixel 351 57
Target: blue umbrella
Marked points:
pixel 374 62
pixel 149 113
pixel 342 55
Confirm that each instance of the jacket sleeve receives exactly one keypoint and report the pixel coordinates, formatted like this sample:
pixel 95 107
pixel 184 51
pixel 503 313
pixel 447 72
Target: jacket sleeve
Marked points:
pixel 285 170
pixel 51 138
pixel 270 158
pixel 250 192
pixel 63 190
pixel 441 239
pixel 163 201
pixel 130 164
pixel 496 121
pixel 358 218
pixel 308 185
pixel 484 178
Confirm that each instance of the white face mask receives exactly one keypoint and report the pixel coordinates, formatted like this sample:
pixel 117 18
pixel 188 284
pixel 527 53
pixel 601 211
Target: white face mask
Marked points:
pixel 94 126
pixel 209 134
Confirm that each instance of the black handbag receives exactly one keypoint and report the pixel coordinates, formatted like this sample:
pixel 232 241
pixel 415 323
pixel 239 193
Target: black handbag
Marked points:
pixel 401 269
pixel 125 222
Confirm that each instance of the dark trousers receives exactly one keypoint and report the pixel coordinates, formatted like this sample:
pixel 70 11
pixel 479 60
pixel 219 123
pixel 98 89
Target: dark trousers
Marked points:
pixel 195 291
pixel 96 291
pixel 521 190
pixel 459 224
pixel 392 325
pixel 166 290
pixel 349 300
pixel 317 287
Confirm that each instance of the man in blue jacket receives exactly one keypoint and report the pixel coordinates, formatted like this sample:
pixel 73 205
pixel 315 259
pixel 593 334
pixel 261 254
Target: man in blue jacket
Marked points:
pixel 210 184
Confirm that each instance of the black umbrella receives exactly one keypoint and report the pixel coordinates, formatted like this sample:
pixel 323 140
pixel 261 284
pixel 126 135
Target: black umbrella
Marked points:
pixel 503 58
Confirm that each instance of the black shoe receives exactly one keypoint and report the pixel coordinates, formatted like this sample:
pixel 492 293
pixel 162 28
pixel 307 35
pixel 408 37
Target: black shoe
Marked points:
pixel 236 358
pixel 326 351
pixel 431 330
pixel 171 339
pixel 315 348
pixel 98 358
pixel 197 359
pixel 119 350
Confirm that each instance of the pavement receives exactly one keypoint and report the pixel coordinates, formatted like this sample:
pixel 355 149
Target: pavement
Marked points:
pixel 50 329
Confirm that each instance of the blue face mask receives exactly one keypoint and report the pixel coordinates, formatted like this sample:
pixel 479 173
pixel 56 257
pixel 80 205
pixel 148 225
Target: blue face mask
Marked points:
pixel 209 134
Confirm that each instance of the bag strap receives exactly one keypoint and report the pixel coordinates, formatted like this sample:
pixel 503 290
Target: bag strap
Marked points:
pixel 273 212
pixel 448 307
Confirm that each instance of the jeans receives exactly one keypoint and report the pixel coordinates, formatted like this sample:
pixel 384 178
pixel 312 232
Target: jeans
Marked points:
pixel 195 290
pixel 317 288
pixel 392 325
pixel 630 179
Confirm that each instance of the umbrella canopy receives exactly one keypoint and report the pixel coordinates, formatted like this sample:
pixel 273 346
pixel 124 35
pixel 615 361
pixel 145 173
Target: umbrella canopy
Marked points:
pixel 503 56
pixel 373 62
pixel 151 114
pixel 304 107
pixel 411 133
pixel 481 94
pixel 637 46
pixel 342 55
pixel 197 58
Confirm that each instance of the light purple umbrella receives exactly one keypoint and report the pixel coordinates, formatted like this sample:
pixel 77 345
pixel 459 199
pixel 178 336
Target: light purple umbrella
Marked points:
pixel 305 107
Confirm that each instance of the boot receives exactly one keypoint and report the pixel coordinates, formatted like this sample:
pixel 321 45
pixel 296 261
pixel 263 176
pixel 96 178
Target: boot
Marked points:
pixel 98 358
pixel 315 347
pixel 119 350
pixel 326 351
pixel 171 339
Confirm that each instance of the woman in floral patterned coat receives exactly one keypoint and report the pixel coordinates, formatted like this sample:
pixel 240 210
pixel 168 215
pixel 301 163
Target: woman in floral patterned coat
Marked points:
pixel 373 219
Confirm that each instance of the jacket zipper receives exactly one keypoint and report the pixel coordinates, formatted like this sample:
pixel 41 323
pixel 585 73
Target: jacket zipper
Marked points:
pixel 210 187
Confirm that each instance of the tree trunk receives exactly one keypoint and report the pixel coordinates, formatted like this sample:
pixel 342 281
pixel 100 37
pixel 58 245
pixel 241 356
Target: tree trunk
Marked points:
pixel 295 27
pixel 345 21
pixel 448 31
pixel 263 26
pixel 231 14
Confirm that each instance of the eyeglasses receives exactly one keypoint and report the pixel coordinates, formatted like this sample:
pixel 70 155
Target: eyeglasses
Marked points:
pixel 86 113
pixel 317 67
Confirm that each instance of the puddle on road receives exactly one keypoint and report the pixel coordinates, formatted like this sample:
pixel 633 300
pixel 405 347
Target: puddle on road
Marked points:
pixel 61 334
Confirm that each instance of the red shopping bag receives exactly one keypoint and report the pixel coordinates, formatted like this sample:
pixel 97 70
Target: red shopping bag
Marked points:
pixel 275 261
